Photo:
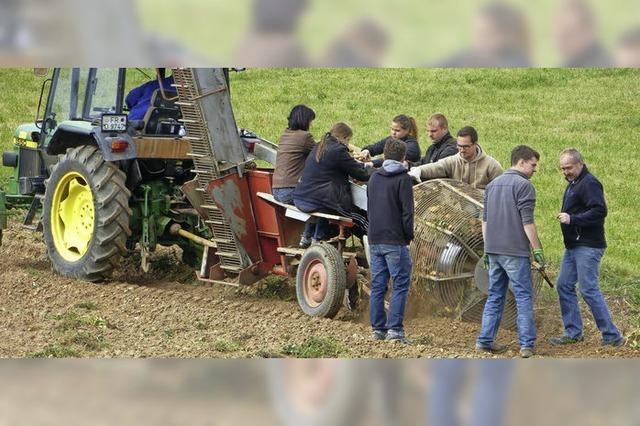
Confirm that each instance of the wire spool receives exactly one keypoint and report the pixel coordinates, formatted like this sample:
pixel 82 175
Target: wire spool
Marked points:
pixel 448 247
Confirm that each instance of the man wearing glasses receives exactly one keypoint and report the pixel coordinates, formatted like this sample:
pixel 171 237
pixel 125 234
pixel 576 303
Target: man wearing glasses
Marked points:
pixel 471 166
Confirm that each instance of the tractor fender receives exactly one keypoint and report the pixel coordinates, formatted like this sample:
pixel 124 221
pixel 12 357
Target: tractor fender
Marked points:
pixel 70 136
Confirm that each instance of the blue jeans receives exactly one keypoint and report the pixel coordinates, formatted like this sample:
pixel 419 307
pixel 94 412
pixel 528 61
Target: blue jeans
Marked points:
pixel 582 264
pixel 284 195
pixel 318 229
pixel 502 270
pixel 389 261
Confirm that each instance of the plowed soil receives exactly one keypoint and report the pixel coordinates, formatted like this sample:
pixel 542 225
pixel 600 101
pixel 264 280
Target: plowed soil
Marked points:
pixel 167 313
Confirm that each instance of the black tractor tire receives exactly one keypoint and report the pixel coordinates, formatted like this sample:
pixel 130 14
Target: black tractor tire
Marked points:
pixel 111 214
pixel 324 263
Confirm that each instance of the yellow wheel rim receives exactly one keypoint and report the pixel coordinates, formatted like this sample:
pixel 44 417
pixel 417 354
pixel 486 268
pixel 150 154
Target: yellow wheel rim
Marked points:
pixel 72 216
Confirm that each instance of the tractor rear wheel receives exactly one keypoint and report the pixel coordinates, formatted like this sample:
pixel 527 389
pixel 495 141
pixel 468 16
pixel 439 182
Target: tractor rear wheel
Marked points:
pixel 321 281
pixel 86 215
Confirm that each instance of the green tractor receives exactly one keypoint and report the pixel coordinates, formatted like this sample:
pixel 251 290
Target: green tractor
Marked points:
pixel 104 184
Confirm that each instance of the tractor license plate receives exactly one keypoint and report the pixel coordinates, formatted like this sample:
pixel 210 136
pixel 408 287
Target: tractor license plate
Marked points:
pixel 114 123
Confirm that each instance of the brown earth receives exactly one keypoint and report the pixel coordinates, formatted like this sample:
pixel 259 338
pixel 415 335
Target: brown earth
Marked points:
pixel 166 313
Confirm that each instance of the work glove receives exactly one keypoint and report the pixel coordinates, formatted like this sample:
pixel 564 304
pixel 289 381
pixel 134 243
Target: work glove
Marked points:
pixel 538 256
pixel 416 174
pixel 485 261
pixel 365 155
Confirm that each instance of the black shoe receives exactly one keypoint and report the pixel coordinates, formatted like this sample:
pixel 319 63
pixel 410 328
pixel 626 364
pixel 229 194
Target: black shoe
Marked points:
pixel 527 352
pixel 615 343
pixel 493 348
pixel 304 242
pixel 397 337
pixel 379 335
pixel 565 340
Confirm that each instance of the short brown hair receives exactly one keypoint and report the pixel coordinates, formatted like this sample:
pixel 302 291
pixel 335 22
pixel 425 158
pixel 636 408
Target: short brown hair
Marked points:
pixel 470 132
pixel 523 152
pixel 395 149
pixel 439 120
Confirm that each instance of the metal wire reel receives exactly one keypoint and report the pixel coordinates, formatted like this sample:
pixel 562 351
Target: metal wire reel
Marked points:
pixel 448 247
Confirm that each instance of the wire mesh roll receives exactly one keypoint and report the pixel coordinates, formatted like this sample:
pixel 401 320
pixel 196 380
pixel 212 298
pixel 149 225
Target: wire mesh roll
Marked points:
pixel 448 245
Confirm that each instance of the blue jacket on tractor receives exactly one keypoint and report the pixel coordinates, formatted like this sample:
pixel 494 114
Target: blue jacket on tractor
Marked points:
pixel 139 99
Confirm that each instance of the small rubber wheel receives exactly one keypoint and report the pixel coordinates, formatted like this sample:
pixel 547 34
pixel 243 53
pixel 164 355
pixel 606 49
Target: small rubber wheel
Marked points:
pixel 321 281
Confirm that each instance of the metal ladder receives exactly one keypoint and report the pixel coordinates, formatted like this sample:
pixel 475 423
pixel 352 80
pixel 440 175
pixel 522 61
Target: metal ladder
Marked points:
pixel 206 167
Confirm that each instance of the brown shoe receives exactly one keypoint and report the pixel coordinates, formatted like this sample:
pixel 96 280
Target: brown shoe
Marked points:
pixel 493 348
pixel 527 352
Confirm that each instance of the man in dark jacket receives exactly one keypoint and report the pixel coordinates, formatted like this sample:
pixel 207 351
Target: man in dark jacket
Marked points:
pixel 390 208
pixel 444 145
pixel 582 223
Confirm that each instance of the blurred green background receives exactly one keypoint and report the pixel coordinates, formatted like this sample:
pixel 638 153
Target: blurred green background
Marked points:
pixel 421 32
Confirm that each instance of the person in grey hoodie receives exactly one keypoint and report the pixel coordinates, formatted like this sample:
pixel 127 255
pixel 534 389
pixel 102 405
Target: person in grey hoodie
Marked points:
pixel 390 209
pixel 471 166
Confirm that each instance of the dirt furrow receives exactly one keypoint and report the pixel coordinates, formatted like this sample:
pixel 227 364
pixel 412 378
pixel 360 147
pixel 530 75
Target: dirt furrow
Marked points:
pixel 166 313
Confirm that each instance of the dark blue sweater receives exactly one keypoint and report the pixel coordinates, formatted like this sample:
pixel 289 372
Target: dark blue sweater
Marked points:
pixel 584 202
pixel 390 206
pixel 413 149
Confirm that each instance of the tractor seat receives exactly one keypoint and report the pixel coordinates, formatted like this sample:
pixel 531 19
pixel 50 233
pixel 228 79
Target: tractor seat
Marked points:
pixel 162 116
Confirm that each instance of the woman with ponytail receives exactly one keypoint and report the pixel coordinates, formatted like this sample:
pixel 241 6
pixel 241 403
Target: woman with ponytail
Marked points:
pixel 404 128
pixel 324 185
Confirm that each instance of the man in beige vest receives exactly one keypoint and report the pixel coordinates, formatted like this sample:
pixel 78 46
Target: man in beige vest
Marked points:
pixel 471 166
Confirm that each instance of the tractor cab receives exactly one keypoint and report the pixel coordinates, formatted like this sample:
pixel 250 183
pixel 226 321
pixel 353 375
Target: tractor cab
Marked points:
pixel 87 106
pixel 95 100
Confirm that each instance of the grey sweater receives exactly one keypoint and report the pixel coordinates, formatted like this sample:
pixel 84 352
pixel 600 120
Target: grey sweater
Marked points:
pixel 509 201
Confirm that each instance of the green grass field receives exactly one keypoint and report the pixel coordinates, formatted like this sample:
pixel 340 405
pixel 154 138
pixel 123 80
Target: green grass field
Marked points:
pixel 595 111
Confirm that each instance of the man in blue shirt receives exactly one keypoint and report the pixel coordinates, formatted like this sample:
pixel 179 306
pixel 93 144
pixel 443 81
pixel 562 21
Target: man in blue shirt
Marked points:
pixel 139 99
pixel 582 222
